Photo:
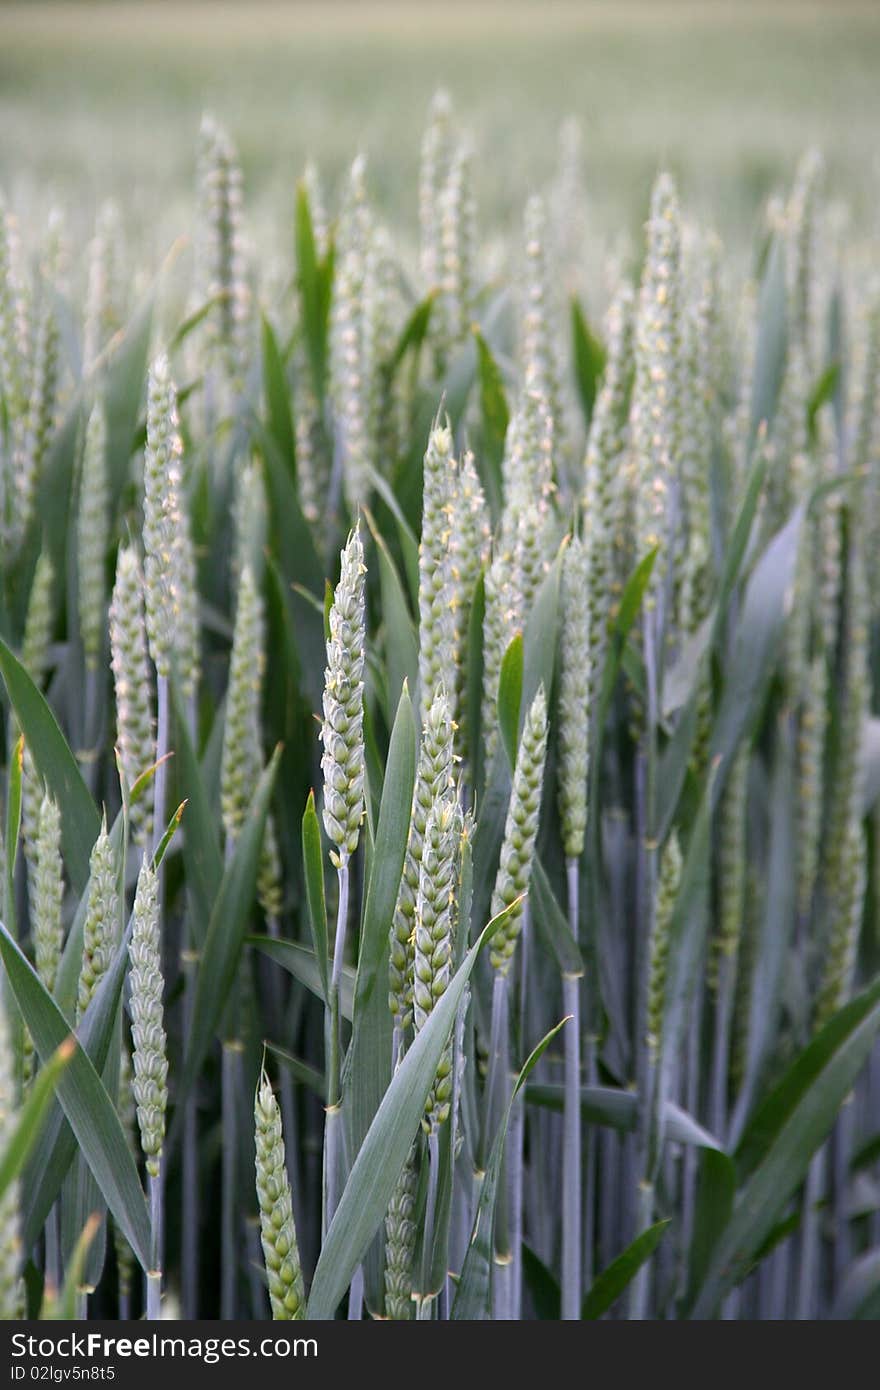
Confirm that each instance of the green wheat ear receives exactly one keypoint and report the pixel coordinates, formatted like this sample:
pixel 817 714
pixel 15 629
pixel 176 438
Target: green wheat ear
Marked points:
pixel 667 892
pixel 342 761
pixel 35 656
pixel 104 292
pixel 220 256
pixel 574 698
pixel 101 926
pixel 351 369
pixel 162 463
pixel 438 147
pixel 434 933
pixel 46 890
pixel 93 527
pixel 436 629
pixel 149 1059
pixel 34 427
pixel 657 388
pixel 400 1243
pixel 604 498
pixel 12 367
pixel 520 833
pixel 457 236
pixel 133 684
pixel 242 756
pixel 434 779
pixel 540 334
pixel 277 1231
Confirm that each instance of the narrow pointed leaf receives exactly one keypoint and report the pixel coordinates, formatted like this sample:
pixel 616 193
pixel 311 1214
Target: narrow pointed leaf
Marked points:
pixel 510 684
pixel 86 1104
pixel 619 1109
pixel 13 826
pixel 33 1113
pixel 772 342
pixel 620 1273
pixel 277 393
pixel 589 360
pixel 302 963
pixel 551 924
pixel 313 865
pixel 56 766
pixel 314 279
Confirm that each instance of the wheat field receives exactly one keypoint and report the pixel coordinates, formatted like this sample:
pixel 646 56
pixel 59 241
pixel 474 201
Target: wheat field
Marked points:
pixel 439 519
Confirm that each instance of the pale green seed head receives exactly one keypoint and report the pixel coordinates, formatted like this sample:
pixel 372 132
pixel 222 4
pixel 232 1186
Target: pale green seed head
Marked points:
pixel 47 886
pixel 101 926
pixel 277 1230
pixel 667 894
pixel 539 329
pixel 434 927
pixel 93 527
pixel 657 405
pixel 162 478
pixel 436 590
pixel 40 620
pixel 342 761
pixel 104 293
pixel 400 1242
pixel 220 257
pixel 35 427
pixel 574 697
pixel 438 146
pixel 132 683
pixel 12 366
pixel 149 1060
pixel 520 833
pixel 434 780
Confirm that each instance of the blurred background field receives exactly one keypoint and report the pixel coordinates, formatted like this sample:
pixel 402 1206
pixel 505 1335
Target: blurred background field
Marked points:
pixel 100 99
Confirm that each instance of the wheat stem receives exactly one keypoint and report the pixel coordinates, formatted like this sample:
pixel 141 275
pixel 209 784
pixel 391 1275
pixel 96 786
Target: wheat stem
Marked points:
pixel 154 1274
pixel 808 1267
pixel 190 1184
pixel 230 1085
pixel 333 1124
pixel 163 743
pixel 571 1156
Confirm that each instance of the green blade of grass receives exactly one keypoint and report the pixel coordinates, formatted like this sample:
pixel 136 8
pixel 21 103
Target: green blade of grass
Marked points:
pixel 313 864
pixel 612 1282
pixel 33 1114
pixel 86 1104
pixel 56 766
